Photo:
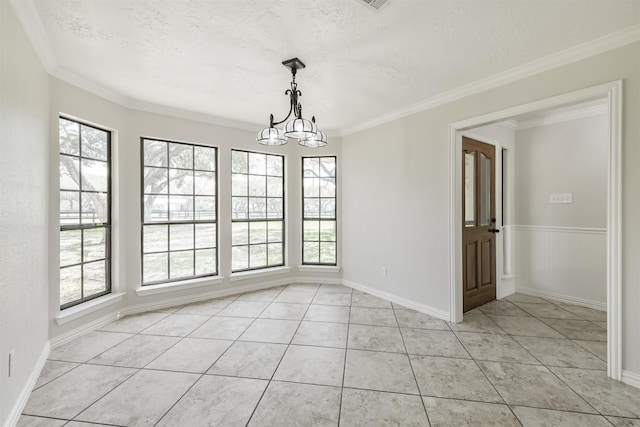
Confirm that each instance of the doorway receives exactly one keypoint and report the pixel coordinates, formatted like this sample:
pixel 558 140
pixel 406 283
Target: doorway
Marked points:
pixel 479 224
pixel 612 92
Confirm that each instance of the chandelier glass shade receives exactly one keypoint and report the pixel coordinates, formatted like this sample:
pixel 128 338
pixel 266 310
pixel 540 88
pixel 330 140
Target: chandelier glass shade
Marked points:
pixel 305 131
pixel 317 141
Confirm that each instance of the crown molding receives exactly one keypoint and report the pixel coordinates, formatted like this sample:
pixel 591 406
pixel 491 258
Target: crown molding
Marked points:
pixel 567 56
pixel 579 113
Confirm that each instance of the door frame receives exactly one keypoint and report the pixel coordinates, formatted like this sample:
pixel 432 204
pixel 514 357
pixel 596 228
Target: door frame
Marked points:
pixel 613 92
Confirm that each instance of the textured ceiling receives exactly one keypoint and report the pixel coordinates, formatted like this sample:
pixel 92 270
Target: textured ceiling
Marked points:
pixel 222 57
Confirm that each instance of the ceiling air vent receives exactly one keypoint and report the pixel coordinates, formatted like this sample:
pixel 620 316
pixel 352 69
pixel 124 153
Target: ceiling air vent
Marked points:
pixel 376 4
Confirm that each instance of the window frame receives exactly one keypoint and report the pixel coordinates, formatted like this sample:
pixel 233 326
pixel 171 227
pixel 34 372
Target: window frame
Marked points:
pixel 319 219
pixel 81 227
pixel 249 220
pixel 168 222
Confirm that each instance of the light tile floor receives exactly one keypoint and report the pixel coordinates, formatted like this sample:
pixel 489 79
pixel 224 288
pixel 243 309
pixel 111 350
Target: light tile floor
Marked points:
pixel 326 356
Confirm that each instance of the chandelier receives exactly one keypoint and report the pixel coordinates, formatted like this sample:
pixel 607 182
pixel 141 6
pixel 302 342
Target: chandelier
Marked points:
pixel 305 131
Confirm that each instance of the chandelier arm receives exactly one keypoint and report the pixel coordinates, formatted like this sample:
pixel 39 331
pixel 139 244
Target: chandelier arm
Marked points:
pixel 292 107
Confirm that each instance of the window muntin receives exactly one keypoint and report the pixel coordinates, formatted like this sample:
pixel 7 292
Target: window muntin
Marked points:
pixel 179 211
pixel 85 212
pixel 319 224
pixel 257 208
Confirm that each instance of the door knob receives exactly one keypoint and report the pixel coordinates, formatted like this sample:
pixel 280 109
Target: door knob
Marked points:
pixel 494 230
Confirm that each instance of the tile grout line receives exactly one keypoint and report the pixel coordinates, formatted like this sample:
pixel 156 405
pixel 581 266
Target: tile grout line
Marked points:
pixel 415 379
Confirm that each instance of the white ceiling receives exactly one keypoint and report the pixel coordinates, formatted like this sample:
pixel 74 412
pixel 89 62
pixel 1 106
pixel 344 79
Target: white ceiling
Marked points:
pixel 222 57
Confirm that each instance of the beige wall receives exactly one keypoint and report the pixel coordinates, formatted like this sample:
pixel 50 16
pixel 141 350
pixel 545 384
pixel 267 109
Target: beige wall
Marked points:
pixel 24 108
pixel 396 188
pixel 565 157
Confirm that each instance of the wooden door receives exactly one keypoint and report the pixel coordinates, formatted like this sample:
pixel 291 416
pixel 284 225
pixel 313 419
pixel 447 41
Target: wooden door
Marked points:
pixel 478 224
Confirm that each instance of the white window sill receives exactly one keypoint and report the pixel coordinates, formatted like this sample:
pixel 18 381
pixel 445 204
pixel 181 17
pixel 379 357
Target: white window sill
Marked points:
pixel 318 269
pixel 162 288
pixel 72 313
pixel 246 275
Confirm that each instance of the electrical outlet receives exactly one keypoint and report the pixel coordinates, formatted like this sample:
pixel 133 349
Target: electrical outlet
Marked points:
pixel 12 361
pixel 383 272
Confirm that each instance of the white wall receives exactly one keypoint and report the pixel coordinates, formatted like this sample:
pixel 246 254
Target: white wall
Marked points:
pixel 24 109
pixel 561 248
pixel 396 196
pixel 128 126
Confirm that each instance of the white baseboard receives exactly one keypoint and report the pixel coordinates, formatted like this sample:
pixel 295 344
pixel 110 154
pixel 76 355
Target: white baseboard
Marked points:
pixel 505 288
pixel 432 311
pixel 597 305
pixel 631 378
pixel 81 330
pixel 17 409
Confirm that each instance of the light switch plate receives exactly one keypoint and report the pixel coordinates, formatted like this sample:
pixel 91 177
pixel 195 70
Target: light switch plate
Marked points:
pixel 562 198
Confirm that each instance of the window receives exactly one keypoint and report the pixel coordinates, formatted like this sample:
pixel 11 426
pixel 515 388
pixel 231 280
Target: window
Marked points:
pixel 319 210
pixel 179 227
pixel 85 212
pixel 257 191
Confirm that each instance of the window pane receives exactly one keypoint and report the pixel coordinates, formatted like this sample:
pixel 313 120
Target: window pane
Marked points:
pixel 311 231
pixel 485 190
pixel 205 208
pixel 257 186
pixel 257 164
pixel 257 256
pixel 95 245
pixel 327 187
pixel 69 173
pixel 275 166
pixel 94 175
pixel 205 183
pixel 239 162
pixel 205 261
pixel 311 187
pixel 328 231
pixel 94 143
pixel 204 158
pixel 156 180
pixel 180 208
pixel 180 236
pixel 181 264
pixel 239 233
pixel 69 207
pixel 275 208
pixel 311 252
pixel 205 235
pixel 94 208
pixel 95 278
pixel 275 253
pixel 274 231
pixel 239 185
pixel 155 238
pixel 155 267
pixel 69 136
pixel 156 208
pixel 180 181
pixel 155 153
pixel 70 284
pixel 274 187
pixel 327 167
pixel 328 208
pixel 327 252
pixel 311 167
pixel 469 189
pixel 239 258
pixel 257 208
pixel 257 232
pixel 239 208
pixel 180 156
pixel 311 208
pixel 70 247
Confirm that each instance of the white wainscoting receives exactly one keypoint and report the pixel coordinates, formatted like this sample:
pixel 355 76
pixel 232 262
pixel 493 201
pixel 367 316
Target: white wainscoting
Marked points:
pixel 565 263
